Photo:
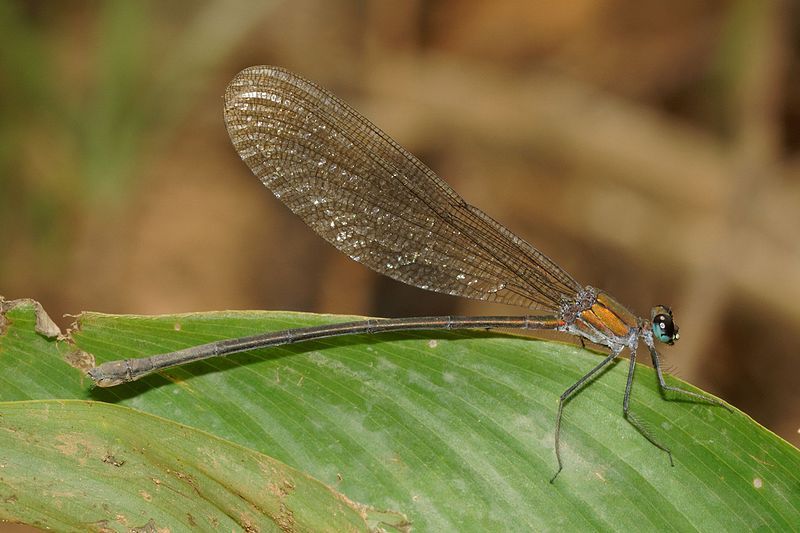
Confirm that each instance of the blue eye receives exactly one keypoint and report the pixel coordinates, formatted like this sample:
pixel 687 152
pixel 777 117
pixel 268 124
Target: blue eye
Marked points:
pixel 664 328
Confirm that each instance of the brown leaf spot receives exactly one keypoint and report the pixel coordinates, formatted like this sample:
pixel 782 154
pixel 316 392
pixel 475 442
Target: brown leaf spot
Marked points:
pixel 113 461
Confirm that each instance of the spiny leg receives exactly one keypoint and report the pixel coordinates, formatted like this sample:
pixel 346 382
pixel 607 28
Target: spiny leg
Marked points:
pixel 632 418
pixel 566 394
pixel 665 387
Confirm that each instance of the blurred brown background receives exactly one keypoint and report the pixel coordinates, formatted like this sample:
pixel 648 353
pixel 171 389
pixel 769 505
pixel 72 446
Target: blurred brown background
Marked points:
pixel 651 148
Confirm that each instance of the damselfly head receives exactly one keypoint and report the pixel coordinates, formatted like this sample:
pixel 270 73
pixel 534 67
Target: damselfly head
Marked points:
pixel 664 328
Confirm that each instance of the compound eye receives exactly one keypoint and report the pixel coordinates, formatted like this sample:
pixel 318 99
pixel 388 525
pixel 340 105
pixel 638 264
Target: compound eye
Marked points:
pixel 664 328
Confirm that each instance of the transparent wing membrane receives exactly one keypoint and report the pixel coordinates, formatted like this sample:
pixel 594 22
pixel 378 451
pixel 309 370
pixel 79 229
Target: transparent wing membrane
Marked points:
pixel 375 201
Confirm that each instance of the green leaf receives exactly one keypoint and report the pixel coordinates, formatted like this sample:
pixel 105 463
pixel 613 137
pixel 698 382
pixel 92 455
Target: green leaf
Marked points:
pixel 454 429
pixel 78 464
pixel 71 464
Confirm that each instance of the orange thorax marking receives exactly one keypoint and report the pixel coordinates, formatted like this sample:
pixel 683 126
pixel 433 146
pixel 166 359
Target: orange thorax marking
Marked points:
pixel 609 316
